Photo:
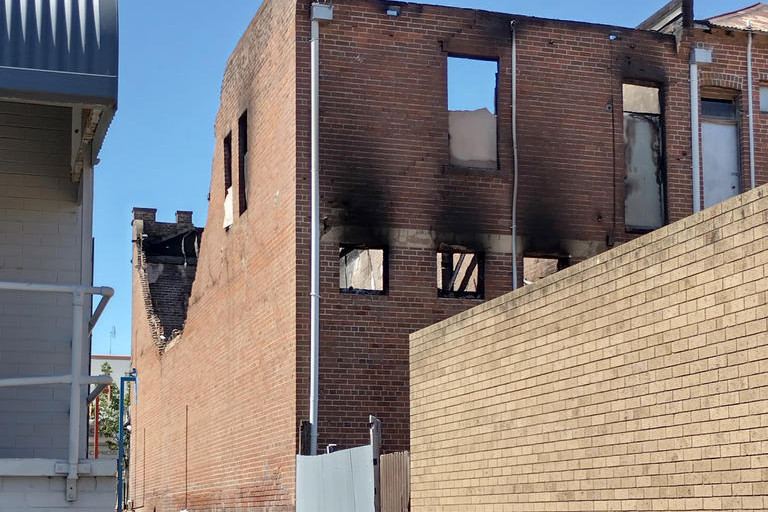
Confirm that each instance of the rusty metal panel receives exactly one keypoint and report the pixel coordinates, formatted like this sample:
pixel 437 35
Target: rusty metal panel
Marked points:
pixel 395 482
pixel 720 161
pixel 644 181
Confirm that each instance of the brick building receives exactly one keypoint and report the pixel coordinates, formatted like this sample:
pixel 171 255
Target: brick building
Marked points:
pixel 416 205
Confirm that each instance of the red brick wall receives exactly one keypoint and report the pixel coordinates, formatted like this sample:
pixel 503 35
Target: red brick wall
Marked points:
pixel 214 425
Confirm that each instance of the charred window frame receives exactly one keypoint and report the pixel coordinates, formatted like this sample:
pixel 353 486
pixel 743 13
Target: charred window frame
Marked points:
pixel 227 181
pixel 472 101
pixel 537 266
pixel 242 161
pixel 363 270
pixel 645 185
pixel 460 273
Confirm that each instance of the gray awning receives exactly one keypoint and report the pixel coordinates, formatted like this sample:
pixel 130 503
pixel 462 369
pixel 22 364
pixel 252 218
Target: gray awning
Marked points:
pixel 59 50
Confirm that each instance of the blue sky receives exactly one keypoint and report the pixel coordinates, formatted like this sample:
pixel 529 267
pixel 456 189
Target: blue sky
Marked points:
pixel 159 149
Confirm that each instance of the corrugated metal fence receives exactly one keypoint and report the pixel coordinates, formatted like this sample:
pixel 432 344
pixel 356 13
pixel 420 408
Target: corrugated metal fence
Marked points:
pixel 395 482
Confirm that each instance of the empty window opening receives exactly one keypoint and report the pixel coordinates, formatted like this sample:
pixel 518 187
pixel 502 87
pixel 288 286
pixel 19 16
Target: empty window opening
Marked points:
pixel 228 181
pixel 472 123
pixel 644 181
pixel 362 270
pixel 242 160
pixel 536 268
pixel 719 150
pixel 459 273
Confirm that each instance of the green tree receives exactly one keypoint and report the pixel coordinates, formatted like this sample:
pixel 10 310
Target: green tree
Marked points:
pixel 109 411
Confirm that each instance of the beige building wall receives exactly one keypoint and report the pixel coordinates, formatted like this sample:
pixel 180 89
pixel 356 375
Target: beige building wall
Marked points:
pixel 636 380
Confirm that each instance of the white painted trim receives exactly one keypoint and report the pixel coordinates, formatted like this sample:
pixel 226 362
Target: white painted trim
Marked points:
pixel 48 467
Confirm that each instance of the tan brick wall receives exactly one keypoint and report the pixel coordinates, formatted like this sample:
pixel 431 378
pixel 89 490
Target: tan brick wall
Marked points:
pixel 636 380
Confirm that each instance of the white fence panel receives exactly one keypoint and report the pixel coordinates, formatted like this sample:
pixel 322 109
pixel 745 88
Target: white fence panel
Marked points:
pixel 335 482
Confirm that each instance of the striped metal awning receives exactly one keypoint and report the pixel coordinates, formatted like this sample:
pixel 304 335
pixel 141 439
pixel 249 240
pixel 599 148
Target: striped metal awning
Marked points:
pixel 59 50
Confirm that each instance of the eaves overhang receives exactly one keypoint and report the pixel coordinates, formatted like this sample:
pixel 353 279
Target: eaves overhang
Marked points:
pixel 59 51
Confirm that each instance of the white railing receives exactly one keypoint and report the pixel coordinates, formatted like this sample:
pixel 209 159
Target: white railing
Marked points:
pixel 76 379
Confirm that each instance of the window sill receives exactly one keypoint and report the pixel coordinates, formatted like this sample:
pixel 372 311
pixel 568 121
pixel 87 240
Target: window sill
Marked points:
pixel 475 172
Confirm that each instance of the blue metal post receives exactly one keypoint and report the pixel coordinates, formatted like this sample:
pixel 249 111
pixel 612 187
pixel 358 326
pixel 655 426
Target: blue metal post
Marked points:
pixel 121 440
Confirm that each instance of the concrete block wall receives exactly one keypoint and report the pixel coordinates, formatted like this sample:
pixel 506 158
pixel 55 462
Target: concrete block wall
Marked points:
pixel 636 380
pixel 47 494
pixel 40 241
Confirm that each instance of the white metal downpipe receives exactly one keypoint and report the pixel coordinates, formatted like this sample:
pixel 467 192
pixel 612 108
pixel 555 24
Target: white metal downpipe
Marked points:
pixel 514 155
pixel 78 333
pixel 320 12
pixel 751 110
pixel 695 156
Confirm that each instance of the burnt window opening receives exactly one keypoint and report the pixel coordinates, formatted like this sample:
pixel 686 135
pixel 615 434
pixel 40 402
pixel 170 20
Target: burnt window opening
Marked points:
pixel 242 161
pixel 228 181
pixel 645 181
pixel 720 164
pixel 362 270
pixel 460 273
pixel 472 121
pixel 536 268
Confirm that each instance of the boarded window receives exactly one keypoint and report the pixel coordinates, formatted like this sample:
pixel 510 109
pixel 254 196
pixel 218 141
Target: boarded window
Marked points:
pixel 536 268
pixel 362 270
pixel 644 183
pixel 228 181
pixel 242 160
pixel 719 150
pixel 472 112
pixel 459 273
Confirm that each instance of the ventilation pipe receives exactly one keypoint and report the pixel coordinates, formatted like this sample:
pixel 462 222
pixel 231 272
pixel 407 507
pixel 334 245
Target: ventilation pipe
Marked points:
pixel 514 154
pixel 320 13
pixel 751 111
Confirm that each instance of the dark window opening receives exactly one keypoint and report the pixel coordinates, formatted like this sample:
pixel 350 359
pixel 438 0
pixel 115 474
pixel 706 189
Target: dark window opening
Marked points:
pixel 718 108
pixel 227 162
pixel 362 270
pixel 472 122
pixel 536 268
pixel 459 273
pixel 242 161
pixel 644 182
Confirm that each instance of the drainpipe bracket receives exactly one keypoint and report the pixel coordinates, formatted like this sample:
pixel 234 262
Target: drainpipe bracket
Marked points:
pixel 322 12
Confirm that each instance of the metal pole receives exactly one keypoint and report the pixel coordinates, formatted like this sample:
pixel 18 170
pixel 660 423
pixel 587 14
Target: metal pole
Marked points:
pixel 695 160
pixel 315 249
pixel 96 430
pixel 121 439
pixel 74 392
pixel 751 111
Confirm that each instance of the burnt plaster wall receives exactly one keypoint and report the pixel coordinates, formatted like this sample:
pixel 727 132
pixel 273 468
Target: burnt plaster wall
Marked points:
pixel 214 428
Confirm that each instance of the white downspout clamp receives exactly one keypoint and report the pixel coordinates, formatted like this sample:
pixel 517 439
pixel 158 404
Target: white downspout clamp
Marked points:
pixel 320 13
